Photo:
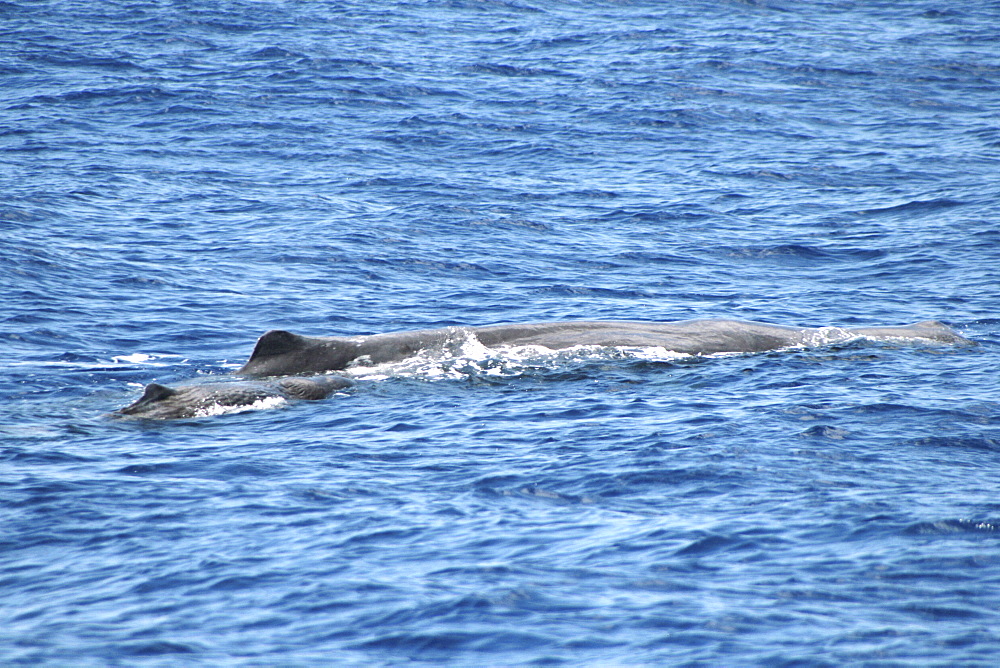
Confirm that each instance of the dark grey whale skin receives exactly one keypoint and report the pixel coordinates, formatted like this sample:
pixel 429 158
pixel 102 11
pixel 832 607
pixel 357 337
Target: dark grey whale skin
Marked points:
pixel 281 353
pixel 159 402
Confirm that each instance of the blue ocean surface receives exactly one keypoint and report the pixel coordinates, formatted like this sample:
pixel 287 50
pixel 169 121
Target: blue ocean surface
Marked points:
pixel 177 178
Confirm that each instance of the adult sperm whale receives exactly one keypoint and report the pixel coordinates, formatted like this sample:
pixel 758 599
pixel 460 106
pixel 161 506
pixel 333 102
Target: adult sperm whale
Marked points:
pixel 281 353
pixel 159 402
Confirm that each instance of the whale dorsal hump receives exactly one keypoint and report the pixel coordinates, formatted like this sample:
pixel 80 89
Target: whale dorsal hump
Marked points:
pixel 156 392
pixel 276 342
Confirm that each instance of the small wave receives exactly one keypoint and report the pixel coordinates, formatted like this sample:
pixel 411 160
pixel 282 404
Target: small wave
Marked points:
pixel 114 95
pixel 510 70
pixel 952 526
pixel 708 545
pixel 274 53
pixel 916 206
pixel 574 290
pixel 94 363
pixel 965 442
pixel 67 59
pixel 827 432
pixel 657 258
pixel 158 648
pixel 801 254
pixel 439 644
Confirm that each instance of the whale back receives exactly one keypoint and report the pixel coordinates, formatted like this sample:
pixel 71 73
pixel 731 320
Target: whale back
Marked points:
pixel 930 330
pixel 159 402
pixel 312 389
pixel 281 353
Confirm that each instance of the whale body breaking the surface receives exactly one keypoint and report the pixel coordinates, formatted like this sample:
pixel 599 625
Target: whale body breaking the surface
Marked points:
pixel 281 353
pixel 159 402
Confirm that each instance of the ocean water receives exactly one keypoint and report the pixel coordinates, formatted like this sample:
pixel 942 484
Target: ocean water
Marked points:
pixel 179 177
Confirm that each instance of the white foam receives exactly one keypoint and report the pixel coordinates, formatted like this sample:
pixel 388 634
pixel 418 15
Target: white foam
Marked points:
pixel 146 359
pixel 134 358
pixel 466 356
pixel 824 336
pixel 259 405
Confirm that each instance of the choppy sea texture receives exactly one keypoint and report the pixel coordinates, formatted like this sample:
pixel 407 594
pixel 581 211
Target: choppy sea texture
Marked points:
pixel 178 178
